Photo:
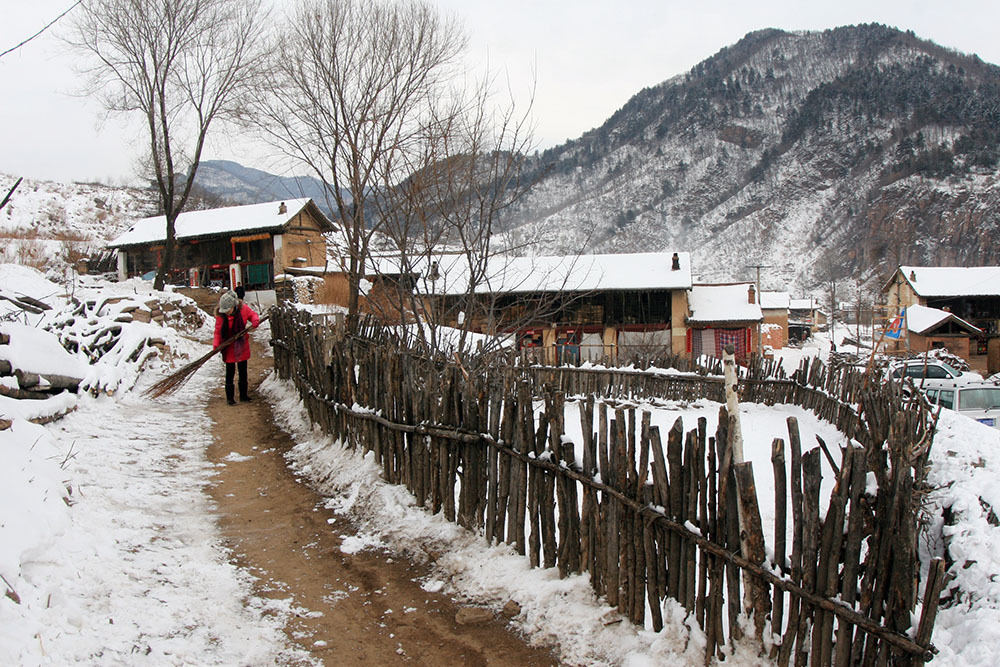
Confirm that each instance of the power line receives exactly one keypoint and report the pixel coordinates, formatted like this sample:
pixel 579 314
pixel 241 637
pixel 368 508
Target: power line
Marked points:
pixel 50 24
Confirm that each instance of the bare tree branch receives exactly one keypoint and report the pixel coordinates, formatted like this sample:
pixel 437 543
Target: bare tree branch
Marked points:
pixel 10 193
pixel 181 65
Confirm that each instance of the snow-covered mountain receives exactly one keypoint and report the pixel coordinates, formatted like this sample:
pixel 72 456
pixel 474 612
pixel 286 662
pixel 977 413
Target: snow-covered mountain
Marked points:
pixel 245 185
pixel 46 222
pixel 818 154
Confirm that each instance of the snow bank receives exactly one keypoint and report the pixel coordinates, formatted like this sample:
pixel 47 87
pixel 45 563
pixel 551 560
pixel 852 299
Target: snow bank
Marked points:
pixel 563 613
pixel 109 540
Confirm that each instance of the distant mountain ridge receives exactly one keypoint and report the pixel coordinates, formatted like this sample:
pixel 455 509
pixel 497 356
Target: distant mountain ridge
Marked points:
pixel 818 155
pixel 245 185
pixel 838 153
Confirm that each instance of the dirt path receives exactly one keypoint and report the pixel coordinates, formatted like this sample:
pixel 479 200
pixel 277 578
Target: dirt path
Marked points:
pixel 363 608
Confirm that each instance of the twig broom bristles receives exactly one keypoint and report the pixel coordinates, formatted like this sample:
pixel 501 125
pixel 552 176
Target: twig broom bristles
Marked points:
pixel 176 380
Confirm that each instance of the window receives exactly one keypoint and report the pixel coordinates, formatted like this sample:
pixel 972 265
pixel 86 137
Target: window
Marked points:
pixel 979 399
pixel 937 372
pixel 947 399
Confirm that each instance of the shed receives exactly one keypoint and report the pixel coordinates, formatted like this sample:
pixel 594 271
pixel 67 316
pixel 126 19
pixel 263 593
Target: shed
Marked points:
pixel 230 246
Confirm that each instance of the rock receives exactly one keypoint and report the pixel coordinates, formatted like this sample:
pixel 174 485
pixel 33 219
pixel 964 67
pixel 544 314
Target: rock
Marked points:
pixel 473 616
pixel 142 315
pixel 511 609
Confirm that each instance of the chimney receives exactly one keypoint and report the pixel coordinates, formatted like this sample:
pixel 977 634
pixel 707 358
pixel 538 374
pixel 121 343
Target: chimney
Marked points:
pixel 751 295
pixel 433 274
pixel 913 275
pixel 675 263
pixel 282 209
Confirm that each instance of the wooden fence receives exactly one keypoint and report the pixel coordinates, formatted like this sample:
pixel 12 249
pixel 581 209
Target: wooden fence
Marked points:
pixel 648 522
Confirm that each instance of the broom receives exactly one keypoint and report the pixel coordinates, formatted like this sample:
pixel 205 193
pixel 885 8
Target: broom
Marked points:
pixel 176 380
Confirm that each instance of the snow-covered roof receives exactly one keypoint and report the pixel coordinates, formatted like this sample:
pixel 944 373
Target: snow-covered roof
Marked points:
pixel 723 303
pixel 802 304
pixel 774 300
pixel 219 221
pixel 573 273
pixel 921 319
pixel 944 281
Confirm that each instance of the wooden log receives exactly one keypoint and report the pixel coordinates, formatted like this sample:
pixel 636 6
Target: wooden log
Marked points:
pixel 661 494
pixel 535 495
pixel 612 517
pixel 622 465
pixel 676 499
pixel 548 482
pixel 780 536
pixel 493 471
pixel 570 547
pixel 702 519
pixel 936 580
pixel 589 508
pixel 795 605
pixel 508 429
pixel 830 551
pixel 811 476
pixel 605 551
pixel 29 380
pixel 730 526
pixel 23 394
pixel 752 544
pixel 852 556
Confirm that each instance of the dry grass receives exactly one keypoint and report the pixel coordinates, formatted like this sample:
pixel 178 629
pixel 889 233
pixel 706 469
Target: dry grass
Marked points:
pixel 30 247
pixel 36 235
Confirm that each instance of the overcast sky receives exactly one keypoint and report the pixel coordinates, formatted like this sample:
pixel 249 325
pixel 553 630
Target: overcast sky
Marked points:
pixel 584 58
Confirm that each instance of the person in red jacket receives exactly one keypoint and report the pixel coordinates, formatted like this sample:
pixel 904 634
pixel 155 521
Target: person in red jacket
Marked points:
pixel 231 317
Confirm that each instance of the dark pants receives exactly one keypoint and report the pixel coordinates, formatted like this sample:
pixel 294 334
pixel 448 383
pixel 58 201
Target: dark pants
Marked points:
pixel 230 374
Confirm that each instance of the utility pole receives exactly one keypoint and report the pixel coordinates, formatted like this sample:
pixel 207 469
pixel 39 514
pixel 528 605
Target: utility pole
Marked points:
pixel 760 350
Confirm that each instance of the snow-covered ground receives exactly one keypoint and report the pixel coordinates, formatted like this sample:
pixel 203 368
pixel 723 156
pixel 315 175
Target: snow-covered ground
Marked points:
pixel 109 551
pixel 110 543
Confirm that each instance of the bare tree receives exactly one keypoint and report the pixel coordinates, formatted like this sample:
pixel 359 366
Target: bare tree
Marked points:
pixel 355 82
pixel 181 65
pixel 443 218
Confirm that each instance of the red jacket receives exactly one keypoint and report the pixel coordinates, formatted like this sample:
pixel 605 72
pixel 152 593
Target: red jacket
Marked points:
pixel 239 350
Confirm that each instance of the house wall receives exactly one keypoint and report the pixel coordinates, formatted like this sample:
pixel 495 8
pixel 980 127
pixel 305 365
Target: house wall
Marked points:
pixel 957 345
pixel 301 238
pixel 777 338
pixel 678 321
pixel 900 294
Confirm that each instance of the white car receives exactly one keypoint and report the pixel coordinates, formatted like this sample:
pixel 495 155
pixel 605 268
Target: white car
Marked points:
pixel 981 402
pixel 932 373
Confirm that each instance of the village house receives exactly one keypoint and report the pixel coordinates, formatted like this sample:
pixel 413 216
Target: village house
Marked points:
pixel 971 294
pixel 230 246
pixel 805 317
pixel 721 315
pixel 774 330
pixel 930 328
pixel 568 308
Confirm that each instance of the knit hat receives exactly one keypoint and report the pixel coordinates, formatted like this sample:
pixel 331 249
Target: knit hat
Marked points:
pixel 228 301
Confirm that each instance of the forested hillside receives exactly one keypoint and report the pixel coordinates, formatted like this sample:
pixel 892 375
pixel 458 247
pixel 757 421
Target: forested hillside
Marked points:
pixel 832 154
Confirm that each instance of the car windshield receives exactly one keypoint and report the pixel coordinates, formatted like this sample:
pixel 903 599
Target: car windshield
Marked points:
pixel 985 398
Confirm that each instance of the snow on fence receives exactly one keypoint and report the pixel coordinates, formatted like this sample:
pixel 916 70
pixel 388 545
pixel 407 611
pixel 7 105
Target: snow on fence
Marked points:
pixel 647 522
